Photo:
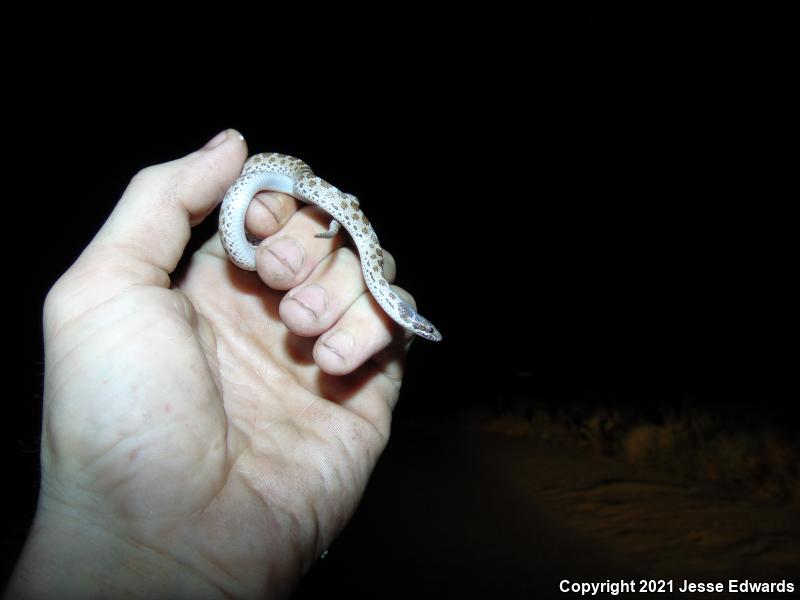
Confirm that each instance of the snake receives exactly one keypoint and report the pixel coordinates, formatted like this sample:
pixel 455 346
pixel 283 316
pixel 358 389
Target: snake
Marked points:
pixel 282 173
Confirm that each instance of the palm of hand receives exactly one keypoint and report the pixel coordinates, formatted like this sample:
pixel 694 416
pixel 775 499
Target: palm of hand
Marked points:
pixel 191 422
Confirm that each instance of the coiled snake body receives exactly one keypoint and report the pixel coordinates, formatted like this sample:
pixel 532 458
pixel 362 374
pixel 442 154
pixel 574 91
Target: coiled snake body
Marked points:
pixel 281 173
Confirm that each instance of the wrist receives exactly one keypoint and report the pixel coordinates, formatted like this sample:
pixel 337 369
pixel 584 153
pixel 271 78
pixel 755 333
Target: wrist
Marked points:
pixel 68 554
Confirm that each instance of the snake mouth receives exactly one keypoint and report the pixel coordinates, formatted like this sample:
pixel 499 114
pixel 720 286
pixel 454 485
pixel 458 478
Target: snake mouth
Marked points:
pixel 434 337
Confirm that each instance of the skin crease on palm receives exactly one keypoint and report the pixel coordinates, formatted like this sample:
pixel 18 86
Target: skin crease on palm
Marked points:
pixel 209 436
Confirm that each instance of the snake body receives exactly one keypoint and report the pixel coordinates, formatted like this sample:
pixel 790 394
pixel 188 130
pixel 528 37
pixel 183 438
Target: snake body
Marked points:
pixel 281 173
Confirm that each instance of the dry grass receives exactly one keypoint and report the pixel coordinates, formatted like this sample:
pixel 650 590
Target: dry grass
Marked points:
pixel 755 460
pixel 758 460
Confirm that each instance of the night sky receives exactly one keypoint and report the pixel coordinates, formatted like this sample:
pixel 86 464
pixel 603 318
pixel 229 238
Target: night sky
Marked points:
pixel 602 203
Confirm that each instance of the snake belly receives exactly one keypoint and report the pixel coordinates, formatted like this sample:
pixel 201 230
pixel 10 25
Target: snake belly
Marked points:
pixel 290 175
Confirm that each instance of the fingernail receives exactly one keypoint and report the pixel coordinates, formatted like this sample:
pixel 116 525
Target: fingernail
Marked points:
pixel 216 140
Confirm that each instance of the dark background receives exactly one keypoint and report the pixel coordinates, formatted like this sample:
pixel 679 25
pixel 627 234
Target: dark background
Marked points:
pixel 604 201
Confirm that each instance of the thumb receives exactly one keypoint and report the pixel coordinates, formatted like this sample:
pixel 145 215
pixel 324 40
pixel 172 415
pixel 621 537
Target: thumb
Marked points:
pixel 147 232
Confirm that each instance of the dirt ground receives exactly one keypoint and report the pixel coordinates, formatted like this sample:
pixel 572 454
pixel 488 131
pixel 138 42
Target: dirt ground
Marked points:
pixel 480 512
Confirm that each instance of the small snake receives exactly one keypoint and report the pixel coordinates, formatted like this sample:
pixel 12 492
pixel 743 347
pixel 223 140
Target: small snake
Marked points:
pixel 281 173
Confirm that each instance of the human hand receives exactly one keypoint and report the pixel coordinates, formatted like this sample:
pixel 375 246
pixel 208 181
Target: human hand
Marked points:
pixel 193 444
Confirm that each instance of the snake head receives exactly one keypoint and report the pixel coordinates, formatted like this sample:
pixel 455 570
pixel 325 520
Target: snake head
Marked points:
pixel 420 325
pixel 424 328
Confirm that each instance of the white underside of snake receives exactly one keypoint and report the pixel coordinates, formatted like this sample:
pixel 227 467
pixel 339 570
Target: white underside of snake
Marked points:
pixel 281 173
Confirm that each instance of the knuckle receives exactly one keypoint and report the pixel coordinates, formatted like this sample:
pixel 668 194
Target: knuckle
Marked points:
pixel 54 309
pixel 349 257
pixel 147 175
pixel 53 299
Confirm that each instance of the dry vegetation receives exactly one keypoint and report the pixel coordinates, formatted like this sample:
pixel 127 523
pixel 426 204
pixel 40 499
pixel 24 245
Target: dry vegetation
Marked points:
pixel 755 459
